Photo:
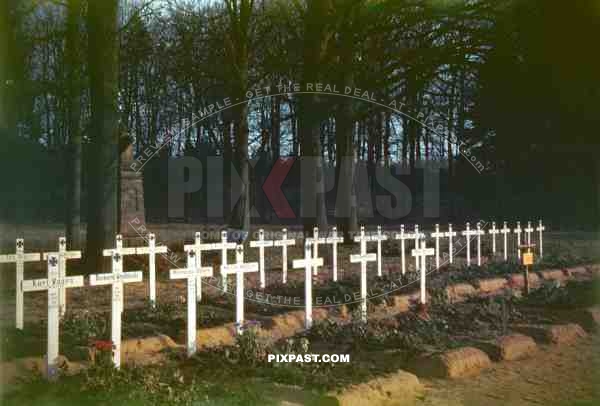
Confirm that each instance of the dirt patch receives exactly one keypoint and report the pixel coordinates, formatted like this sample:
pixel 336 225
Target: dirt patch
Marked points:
pixel 459 363
pixel 518 280
pixel 553 275
pixel 142 351
pixel 399 388
pixel 491 285
pixel 556 334
pixel 460 292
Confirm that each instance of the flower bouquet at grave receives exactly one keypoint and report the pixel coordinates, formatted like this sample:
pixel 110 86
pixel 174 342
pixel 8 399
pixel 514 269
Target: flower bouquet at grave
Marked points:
pixel 101 353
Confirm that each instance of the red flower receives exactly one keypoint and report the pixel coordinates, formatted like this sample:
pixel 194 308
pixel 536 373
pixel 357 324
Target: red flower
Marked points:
pixel 103 345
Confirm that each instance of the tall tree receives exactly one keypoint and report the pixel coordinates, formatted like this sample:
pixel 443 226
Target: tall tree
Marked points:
pixel 103 148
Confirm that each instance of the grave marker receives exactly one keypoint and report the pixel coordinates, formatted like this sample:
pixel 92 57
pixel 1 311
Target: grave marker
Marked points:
pixel 314 241
pixel 53 284
pixel 151 250
pixel 479 233
pixel 450 234
pixel 63 255
pixel 334 240
pixel 116 279
pixel 518 231
pixel 19 258
pixel 493 232
pixel 193 273
pixel 528 232
pixel 422 254
pixel 402 237
pixel 541 228
pixel 284 243
pixel 468 233
pixel 363 258
pixel 239 268
pixel 261 243
pixel 308 263
pixel 437 236
pixel 222 246
pixel 505 230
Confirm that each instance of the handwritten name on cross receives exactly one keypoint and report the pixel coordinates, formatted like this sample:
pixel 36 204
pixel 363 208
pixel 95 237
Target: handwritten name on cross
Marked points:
pixel 493 232
pixel 239 268
pixel 450 234
pixel 468 233
pixel 518 230
pixel 540 228
pixel 193 273
pixel 308 263
pixel 63 256
pixel 284 243
pixel 363 258
pixel 19 258
pixel 261 243
pixel 421 255
pixel 505 231
pixel 53 284
pixel 116 279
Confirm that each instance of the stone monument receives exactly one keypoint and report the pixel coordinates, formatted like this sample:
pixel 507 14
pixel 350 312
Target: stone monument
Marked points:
pixel 131 192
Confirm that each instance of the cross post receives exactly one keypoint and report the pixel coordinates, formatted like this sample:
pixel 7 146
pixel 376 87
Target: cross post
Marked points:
pixel 518 231
pixel 334 240
pixel 479 233
pixel 284 243
pixel 308 263
pixel 450 234
pixel 261 244
pixel 493 232
pixel 363 258
pixel 63 255
pixel 541 228
pixel 437 236
pixel 468 233
pixel 505 230
pixel 421 254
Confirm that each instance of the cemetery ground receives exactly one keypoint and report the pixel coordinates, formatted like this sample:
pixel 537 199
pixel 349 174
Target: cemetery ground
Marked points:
pixel 468 307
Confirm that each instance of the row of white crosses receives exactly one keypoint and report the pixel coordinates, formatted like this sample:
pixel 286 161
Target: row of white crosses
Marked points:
pixel 334 240
pixel 416 235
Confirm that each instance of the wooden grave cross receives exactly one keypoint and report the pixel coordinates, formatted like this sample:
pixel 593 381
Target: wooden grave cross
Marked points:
pixel 261 244
pixel 315 241
pixel 505 230
pixel 116 279
pixel 479 233
pixel 493 232
pixel 528 232
pixel 309 263
pixel 334 240
pixel 19 258
pixel 192 272
pixel 378 238
pixel 437 234
pixel 284 243
pixel 239 268
pixel 450 234
pixel 363 258
pixel 63 255
pixel 540 228
pixel 402 237
pixel 222 246
pixel 54 283
pixel 422 253
pixel 518 231
pixel 468 233
pixel 151 250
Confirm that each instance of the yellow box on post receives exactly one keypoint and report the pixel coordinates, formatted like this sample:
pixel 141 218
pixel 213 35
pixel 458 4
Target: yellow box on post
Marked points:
pixel 527 258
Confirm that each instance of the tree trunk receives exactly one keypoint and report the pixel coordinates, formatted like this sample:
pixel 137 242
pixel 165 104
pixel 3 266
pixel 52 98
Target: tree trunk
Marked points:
pixel 73 215
pixel 103 151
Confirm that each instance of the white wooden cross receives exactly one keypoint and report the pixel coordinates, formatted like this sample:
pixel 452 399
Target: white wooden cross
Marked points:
pixel 334 240
pixel 314 241
pixel 284 243
pixel 239 268
pixel 505 230
pixel 363 258
pixel 54 283
pixel 261 243
pixel 417 236
pixel 468 233
pixel 528 232
pixel 19 258
pixel 518 231
pixel 63 255
pixel 493 232
pixel 222 246
pixel 117 278
pixel 192 273
pixel 479 233
pixel 402 236
pixel 437 236
pixel 422 253
pixel 308 263
pixel 151 250
pixel 379 237
pixel 541 228
pixel 450 234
